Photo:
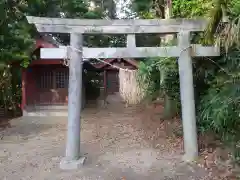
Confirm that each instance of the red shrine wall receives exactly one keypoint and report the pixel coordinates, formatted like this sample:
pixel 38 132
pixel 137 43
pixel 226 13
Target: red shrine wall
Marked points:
pixel 45 85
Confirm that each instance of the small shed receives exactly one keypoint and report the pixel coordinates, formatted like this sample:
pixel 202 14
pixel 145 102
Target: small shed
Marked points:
pixel 45 81
pixel 110 72
pixel 45 84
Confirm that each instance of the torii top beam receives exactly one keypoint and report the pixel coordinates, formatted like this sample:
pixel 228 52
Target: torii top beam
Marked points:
pixel 120 26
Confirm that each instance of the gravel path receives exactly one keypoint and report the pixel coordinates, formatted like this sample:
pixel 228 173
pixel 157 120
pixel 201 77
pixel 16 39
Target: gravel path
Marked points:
pixel 119 143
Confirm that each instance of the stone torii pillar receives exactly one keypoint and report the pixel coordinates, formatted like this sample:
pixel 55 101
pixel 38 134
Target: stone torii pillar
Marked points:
pixel 73 159
pixel 187 97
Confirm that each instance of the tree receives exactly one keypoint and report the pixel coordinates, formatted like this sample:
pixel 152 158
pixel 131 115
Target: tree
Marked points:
pixel 225 22
pixel 158 9
pixel 107 6
pixel 15 40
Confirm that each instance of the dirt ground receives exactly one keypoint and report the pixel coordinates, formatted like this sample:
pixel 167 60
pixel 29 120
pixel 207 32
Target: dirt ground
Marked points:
pixel 120 143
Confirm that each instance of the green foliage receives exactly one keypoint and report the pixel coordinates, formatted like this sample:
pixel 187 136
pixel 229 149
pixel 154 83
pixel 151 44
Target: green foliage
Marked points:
pixel 159 76
pixel 9 99
pixel 149 77
pixel 75 8
pixel 190 8
pixel 180 8
pixel 15 40
pixel 148 9
pixel 234 8
pixel 219 110
pixel 43 8
pixel 142 6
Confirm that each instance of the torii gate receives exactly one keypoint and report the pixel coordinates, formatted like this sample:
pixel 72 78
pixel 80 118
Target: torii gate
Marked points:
pixel 184 50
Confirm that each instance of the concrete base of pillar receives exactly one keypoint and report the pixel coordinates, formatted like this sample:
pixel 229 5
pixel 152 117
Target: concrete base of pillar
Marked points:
pixel 67 164
pixel 101 103
pixel 189 158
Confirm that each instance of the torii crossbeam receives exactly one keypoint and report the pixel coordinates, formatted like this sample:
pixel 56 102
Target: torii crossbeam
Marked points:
pixel 185 51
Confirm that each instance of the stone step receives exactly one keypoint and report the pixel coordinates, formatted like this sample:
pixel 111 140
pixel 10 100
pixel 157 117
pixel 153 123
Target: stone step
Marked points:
pixel 45 107
pixel 45 113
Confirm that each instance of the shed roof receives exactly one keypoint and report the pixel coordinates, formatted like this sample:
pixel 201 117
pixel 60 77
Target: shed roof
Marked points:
pixel 110 61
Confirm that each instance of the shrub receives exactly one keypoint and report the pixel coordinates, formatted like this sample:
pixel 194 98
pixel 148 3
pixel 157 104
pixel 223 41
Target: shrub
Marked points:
pixel 219 110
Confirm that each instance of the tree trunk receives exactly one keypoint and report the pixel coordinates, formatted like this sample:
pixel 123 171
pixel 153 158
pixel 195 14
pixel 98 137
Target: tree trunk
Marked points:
pixel 169 103
pixel 170 107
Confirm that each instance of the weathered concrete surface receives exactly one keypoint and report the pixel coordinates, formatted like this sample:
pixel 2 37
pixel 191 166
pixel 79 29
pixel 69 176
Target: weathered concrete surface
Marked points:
pixel 74 100
pixel 118 143
pixel 121 26
pixel 69 164
pixel 172 51
pixel 187 98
